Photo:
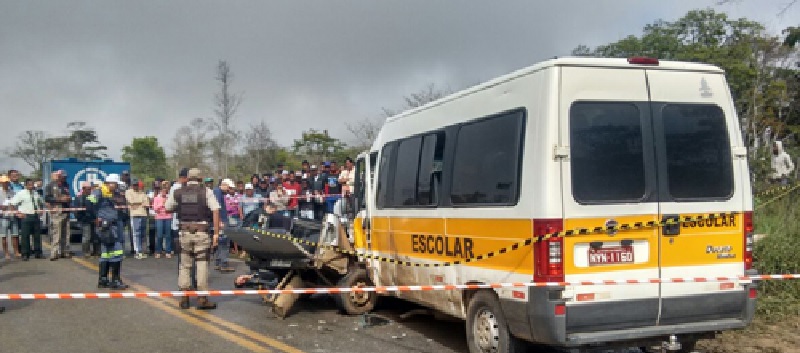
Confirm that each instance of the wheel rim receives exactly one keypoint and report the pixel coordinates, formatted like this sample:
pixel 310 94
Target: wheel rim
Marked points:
pixel 360 299
pixel 487 334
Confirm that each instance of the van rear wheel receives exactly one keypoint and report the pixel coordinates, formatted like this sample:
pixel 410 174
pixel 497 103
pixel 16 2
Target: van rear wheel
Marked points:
pixel 487 329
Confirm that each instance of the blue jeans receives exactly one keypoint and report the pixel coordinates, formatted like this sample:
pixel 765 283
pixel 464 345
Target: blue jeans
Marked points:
pixel 137 230
pixel 221 253
pixel 164 235
pixel 121 228
pixel 329 202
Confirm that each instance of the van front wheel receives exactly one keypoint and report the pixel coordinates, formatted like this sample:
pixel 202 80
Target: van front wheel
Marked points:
pixel 355 303
pixel 487 330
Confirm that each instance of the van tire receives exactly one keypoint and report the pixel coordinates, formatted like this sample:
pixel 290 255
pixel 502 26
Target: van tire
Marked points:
pixel 355 303
pixel 487 329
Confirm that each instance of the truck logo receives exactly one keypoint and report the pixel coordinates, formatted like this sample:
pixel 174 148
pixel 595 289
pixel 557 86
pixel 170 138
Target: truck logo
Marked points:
pixel 92 175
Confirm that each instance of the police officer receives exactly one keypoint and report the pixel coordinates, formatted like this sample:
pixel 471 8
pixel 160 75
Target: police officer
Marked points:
pixel 197 209
pixel 108 232
pixel 58 197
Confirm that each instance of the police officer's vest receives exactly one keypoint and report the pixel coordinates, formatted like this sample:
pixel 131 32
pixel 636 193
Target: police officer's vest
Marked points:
pixel 192 204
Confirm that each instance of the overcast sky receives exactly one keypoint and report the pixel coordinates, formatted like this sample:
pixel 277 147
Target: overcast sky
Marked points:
pixel 138 68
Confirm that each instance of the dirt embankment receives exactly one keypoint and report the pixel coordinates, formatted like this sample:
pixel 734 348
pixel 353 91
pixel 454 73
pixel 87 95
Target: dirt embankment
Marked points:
pixel 760 337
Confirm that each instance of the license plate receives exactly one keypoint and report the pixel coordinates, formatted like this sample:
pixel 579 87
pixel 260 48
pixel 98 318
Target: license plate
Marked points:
pixel 280 263
pixel 611 255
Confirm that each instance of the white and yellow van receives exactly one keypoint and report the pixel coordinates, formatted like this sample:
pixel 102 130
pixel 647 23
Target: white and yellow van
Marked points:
pixel 568 144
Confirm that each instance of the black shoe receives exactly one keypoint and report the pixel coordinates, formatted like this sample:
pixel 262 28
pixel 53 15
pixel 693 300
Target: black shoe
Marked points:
pixel 204 304
pixel 25 258
pixel 115 272
pixel 184 304
pixel 117 285
pixel 102 282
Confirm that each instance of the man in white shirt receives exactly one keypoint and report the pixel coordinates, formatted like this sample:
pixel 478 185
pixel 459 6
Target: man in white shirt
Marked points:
pixel 347 176
pixel 28 204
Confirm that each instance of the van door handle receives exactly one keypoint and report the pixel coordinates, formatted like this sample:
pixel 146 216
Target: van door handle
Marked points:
pixel 671 225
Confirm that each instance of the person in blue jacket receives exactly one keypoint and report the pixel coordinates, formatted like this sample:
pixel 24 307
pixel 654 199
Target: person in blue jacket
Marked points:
pixel 108 231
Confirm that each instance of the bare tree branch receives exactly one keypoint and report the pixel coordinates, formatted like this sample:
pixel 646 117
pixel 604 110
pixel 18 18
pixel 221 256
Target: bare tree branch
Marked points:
pixel 364 131
pixel 227 104
pixel 786 8
pixel 191 145
pixel 414 100
pixel 34 147
pixel 261 150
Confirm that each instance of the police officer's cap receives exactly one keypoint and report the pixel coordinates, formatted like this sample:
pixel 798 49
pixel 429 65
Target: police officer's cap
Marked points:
pixel 183 173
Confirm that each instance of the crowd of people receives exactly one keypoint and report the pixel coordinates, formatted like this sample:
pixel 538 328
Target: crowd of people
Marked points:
pixel 308 192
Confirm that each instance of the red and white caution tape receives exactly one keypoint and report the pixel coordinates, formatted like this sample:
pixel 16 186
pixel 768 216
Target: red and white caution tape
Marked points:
pixel 382 289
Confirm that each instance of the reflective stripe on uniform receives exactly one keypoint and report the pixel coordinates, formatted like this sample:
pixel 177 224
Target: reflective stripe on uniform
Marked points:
pixel 108 255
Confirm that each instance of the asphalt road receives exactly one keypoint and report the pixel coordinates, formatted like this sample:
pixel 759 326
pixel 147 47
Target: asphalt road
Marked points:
pixel 239 324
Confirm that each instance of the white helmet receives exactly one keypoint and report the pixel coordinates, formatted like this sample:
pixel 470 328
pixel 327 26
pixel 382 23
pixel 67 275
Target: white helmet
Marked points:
pixel 112 178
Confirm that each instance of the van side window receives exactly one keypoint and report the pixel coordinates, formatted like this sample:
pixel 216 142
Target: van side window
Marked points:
pixel 430 169
pixel 487 163
pixel 698 152
pixel 404 189
pixel 373 166
pixel 606 152
pixel 385 170
pixel 416 171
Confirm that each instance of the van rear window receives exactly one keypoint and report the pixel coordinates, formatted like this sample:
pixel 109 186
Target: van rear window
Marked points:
pixel 698 152
pixel 606 152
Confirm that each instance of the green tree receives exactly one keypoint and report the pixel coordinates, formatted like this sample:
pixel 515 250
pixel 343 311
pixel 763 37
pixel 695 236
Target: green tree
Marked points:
pixel 147 158
pixel 80 141
pixel 318 146
pixel 759 67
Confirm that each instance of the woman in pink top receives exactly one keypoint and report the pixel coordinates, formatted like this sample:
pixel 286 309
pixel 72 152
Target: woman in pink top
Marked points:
pixel 163 222
pixel 232 207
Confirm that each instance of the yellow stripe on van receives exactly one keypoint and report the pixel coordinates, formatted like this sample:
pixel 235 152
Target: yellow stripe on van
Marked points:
pixel 447 240
pixel 710 241
pixel 706 242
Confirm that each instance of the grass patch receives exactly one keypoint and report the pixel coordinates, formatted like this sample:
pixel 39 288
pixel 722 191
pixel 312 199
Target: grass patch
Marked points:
pixel 778 253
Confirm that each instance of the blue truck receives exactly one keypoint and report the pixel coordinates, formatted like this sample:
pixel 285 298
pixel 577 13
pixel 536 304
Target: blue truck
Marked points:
pixel 82 170
pixel 77 172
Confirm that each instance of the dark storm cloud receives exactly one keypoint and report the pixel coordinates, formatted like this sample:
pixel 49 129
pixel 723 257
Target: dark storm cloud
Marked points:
pixel 147 67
